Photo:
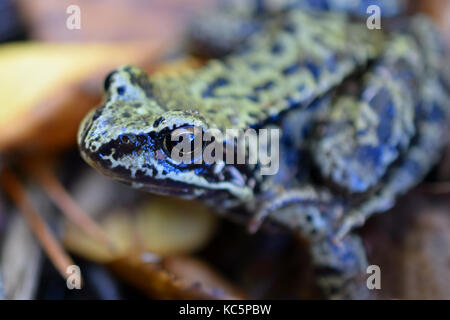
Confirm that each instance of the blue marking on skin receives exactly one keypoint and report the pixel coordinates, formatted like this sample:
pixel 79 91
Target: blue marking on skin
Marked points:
pixel 260 7
pixel 291 69
pixel 386 121
pixel 200 170
pixel 168 167
pixel 316 104
pixel 318 4
pixel 357 184
pixel 289 28
pixel 209 92
pixel 370 155
pixel 362 132
pixel 291 102
pixel 313 68
pixel 382 104
pixel 277 48
pixel 331 63
pixel 306 131
pixel 437 114
pixel 253 98
pixel 265 86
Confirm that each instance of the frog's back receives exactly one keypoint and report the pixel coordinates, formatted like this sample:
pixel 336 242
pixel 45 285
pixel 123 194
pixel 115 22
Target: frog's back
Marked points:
pixel 296 59
pixel 289 65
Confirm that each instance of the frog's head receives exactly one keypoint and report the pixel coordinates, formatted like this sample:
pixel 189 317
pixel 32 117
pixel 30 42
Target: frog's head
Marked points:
pixel 130 138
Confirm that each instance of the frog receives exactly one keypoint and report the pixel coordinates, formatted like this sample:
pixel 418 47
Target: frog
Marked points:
pixel 362 116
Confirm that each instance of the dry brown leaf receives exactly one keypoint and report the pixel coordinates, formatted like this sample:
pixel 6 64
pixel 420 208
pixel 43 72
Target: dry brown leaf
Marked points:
pixel 46 88
pixel 173 277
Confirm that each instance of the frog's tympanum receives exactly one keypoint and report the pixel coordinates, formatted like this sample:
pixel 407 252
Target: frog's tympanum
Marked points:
pixel 362 115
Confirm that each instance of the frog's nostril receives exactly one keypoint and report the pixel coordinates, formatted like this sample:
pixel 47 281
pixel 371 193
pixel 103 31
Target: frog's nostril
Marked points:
pixel 121 90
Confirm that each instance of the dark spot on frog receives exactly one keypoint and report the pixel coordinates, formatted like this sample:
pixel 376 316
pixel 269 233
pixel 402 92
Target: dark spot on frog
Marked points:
pixel 140 79
pixel 291 69
pixel 126 115
pixel 152 168
pixel 383 105
pixel 121 90
pixel 139 175
pixel 158 122
pixel 437 114
pixel 313 68
pixel 108 80
pixel 209 91
pixel 290 28
pixel 152 135
pixel 252 98
pixel 277 49
pixel 265 86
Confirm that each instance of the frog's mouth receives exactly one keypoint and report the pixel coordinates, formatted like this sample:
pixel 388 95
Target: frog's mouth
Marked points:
pixel 177 189
pixel 147 183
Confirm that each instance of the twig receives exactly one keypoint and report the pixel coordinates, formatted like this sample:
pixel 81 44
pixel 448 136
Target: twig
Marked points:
pixel 58 194
pixel 16 192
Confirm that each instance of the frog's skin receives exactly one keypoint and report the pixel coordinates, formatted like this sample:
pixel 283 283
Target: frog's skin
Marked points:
pixel 362 114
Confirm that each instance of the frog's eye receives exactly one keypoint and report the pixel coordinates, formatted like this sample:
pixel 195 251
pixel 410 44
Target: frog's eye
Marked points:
pixel 181 142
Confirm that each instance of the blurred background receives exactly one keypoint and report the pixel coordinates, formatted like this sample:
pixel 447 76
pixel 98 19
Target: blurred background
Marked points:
pixel 52 75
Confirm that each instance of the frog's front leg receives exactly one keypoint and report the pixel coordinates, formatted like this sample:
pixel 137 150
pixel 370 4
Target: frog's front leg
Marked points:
pixel 339 265
pixel 432 114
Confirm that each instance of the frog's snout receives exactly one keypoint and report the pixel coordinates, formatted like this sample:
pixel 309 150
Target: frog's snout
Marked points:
pixel 85 124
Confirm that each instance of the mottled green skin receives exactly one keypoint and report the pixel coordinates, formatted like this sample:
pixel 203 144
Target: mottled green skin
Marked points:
pixel 330 45
pixel 363 109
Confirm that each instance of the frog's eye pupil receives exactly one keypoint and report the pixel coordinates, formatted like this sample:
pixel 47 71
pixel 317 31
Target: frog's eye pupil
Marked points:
pixel 169 144
pixel 121 90
pixel 183 135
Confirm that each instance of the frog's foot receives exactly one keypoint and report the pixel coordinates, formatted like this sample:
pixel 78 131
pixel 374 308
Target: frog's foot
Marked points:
pixel 341 267
pixel 286 208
